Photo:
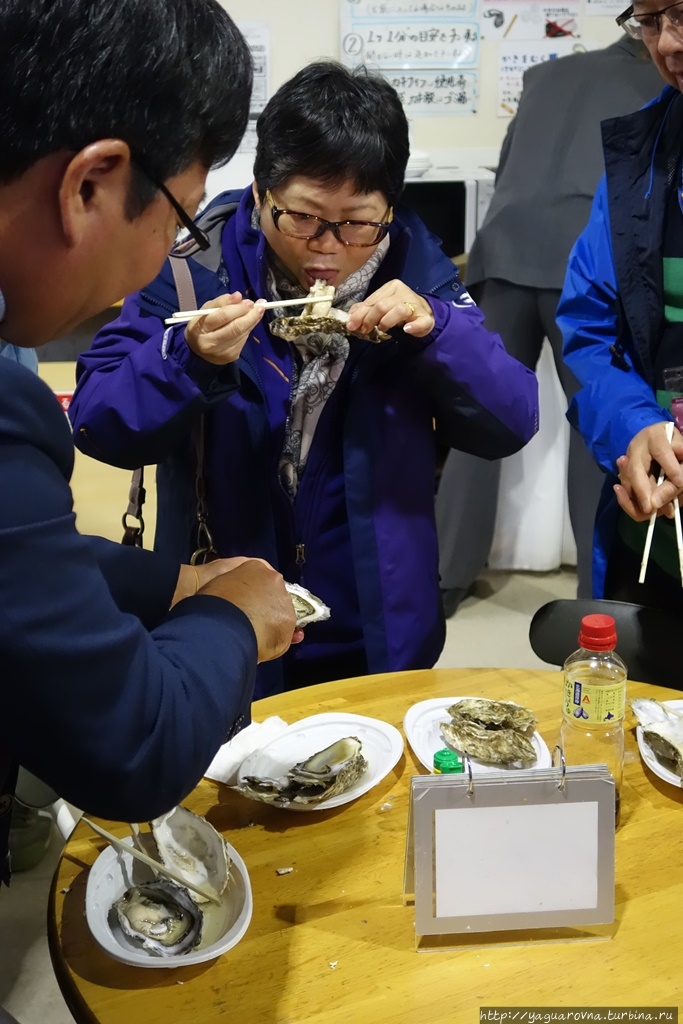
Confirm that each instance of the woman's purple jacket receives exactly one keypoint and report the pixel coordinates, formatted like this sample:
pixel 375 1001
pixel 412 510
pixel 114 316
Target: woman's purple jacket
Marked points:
pixel 361 532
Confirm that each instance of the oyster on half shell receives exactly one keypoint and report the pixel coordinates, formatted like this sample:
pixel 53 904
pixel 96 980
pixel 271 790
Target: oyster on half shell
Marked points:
pixel 307 606
pixel 662 731
pixel 291 327
pixel 160 915
pixel 190 844
pixel 323 775
pixel 497 732
pixel 320 318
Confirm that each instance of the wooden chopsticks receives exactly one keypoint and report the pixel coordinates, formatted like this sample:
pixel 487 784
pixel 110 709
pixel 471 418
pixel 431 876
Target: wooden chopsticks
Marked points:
pixel 653 520
pixel 160 868
pixel 188 314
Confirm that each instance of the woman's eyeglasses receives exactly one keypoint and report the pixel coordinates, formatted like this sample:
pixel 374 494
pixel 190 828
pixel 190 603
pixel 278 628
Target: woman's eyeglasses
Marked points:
pixel 196 240
pixel 348 232
pixel 649 26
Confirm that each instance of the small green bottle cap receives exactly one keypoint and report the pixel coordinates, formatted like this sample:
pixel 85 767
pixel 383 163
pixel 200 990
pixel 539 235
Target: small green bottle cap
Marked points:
pixel 447 762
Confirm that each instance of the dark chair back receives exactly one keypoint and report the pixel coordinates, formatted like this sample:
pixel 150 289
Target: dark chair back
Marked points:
pixel 649 640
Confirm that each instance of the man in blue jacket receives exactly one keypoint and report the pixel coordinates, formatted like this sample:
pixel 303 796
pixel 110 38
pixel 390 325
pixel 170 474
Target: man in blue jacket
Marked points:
pixel 622 320
pixel 108 697
pixel 319 446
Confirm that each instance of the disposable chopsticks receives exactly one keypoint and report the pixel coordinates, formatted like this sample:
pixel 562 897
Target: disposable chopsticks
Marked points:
pixel 653 520
pixel 161 869
pixel 188 314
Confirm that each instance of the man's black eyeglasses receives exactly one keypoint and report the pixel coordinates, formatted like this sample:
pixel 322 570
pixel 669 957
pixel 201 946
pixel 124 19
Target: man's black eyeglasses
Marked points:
pixel 348 232
pixel 649 25
pixel 197 239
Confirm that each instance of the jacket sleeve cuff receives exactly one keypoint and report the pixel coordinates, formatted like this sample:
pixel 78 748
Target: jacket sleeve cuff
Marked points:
pixel 212 380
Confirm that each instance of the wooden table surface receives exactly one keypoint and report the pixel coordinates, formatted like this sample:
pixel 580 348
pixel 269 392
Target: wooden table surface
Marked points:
pixel 332 943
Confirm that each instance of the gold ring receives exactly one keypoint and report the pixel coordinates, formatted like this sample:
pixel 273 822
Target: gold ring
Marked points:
pixel 410 306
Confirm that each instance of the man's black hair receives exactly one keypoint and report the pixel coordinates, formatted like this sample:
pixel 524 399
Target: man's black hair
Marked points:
pixel 332 124
pixel 172 78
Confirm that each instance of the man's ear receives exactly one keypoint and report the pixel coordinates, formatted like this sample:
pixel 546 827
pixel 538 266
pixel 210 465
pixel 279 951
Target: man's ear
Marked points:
pixel 94 188
pixel 254 189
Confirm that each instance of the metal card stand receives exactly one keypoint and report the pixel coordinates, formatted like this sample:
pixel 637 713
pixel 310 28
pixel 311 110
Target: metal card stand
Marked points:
pixel 511 857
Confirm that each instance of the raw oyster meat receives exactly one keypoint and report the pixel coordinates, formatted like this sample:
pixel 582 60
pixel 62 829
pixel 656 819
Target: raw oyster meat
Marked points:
pixel 323 775
pixel 321 318
pixel 162 916
pixel 494 731
pixel 192 846
pixel 662 731
pixel 320 288
pixel 307 606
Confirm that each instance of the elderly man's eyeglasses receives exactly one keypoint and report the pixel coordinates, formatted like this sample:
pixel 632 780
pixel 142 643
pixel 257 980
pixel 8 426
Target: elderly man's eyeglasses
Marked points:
pixel 649 26
pixel 196 239
pixel 348 232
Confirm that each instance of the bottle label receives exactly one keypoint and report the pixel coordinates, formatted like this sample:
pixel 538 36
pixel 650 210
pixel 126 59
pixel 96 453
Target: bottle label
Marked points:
pixel 595 704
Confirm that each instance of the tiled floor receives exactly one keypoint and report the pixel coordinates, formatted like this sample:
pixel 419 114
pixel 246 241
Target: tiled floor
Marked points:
pixel 490 629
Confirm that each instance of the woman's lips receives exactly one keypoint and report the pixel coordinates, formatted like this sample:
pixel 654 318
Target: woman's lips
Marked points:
pixel 320 274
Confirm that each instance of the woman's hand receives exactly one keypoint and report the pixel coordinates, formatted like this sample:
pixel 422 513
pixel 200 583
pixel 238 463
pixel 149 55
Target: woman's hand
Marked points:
pixel 394 303
pixel 637 492
pixel 220 337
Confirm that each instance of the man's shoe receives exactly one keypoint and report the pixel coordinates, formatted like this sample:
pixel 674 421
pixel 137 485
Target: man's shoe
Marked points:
pixel 453 598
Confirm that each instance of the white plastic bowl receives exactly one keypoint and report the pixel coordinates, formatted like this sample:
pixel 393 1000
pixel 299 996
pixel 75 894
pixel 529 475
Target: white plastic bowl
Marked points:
pixel 113 872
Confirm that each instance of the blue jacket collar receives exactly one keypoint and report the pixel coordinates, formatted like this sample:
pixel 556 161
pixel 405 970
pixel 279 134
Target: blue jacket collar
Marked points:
pixel 642 153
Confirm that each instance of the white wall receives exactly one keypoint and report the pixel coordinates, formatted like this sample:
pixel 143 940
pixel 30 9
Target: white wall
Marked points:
pixel 302 31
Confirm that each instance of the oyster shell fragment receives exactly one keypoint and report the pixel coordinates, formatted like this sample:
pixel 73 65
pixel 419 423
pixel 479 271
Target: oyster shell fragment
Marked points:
pixel 190 844
pixel 323 775
pixel 662 731
pixel 307 606
pixel 497 732
pixel 161 916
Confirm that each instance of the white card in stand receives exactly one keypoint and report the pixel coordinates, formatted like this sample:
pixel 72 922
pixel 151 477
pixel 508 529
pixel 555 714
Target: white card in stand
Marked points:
pixel 511 858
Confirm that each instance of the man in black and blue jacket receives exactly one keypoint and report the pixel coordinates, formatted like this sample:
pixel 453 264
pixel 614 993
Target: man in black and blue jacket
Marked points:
pixel 622 321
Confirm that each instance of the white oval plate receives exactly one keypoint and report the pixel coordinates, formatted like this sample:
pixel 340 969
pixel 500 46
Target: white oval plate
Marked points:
pixel 421 725
pixel 649 758
pixel 382 748
pixel 113 872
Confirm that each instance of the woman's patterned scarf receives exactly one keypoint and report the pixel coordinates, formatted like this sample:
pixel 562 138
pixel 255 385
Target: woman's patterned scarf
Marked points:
pixel 318 359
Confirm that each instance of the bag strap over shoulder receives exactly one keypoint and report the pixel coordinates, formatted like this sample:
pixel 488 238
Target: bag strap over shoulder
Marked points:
pixel 133 533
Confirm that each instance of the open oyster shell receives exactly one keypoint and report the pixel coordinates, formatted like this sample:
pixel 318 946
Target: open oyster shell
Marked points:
pixel 291 327
pixel 320 318
pixel 190 844
pixel 498 732
pixel 307 606
pixel 662 731
pixel 323 775
pixel 162 916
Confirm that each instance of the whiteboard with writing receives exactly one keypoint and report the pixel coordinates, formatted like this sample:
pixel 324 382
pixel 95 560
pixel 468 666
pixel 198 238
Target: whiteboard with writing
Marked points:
pixel 435 92
pixel 411 45
pixel 409 8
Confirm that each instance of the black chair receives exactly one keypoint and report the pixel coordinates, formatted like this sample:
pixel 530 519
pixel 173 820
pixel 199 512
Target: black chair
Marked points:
pixel 648 639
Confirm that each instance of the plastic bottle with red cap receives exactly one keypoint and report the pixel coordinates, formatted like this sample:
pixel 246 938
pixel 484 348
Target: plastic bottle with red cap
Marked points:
pixel 594 704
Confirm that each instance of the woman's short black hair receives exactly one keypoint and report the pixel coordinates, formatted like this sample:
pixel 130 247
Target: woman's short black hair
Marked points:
pixel 172 78
pixel 333 124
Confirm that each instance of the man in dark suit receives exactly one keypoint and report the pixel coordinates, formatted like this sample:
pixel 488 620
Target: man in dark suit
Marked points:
pixel 108 131
pixel 550 165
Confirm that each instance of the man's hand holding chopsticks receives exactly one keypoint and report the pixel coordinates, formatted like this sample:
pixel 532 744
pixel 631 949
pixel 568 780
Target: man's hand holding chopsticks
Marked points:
pixel 639 494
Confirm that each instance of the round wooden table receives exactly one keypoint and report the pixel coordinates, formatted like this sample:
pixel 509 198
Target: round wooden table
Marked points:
pixel 332 943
